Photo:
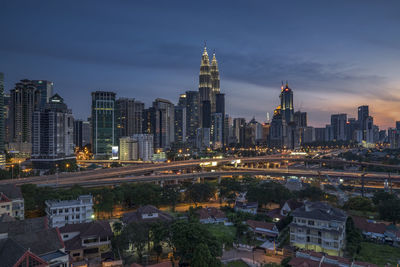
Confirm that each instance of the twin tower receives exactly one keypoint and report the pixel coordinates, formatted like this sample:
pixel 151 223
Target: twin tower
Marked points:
pixel 208 87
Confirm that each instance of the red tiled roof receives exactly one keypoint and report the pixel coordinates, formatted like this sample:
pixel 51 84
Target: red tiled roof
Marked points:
pixel 371 227
pixel 4 198
pixel 366 264
pixel 212 212
pixel 161 264
pixel 302 262
pixel 260 224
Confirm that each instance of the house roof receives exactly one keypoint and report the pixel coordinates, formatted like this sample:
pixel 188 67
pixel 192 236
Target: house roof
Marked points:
pixel 11 191
pixel 40 242
pixel 95 228
pixel 23 226
pixel 303 262
pixel 212 212
pixel 161 264
pixel 6 218
pixel 246 205
pixel 320 211
pixel 294 204
pixel 4 198
pixel 136 216
pixel 10 252
pixel 367 226
pixel 260 224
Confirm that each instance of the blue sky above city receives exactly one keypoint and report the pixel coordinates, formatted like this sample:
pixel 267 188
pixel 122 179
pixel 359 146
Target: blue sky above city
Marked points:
pixel 336 55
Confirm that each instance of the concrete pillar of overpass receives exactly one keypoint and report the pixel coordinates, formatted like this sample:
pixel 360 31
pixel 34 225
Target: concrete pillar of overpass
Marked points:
pixel 202 179
pixel 176 181
pixel 162 183
pixel 219 179
pixel 320 165
pixel 306 164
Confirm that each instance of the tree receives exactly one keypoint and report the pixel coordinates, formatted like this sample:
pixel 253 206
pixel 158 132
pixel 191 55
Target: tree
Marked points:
pixel 171 195
pixel 200 192
pixel 312 193
pixel 390 210
pixel 359 203
pixel 353 238
pixel 380 196
pixel 202 256
pixel 136 235
pixel 228 188
pixel 268 192
pixel 187 236
pixel 117 227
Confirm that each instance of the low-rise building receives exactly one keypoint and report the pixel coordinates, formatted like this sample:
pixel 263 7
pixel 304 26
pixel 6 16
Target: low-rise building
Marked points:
pixel 62 212
pixel 31 242
pixel 319 227
pixel 370 229
pixel 146 214
pixel 244 206
pixel 316 259
pixel 11 201
pixel 211 215
pixel 87 240
pixel 263 230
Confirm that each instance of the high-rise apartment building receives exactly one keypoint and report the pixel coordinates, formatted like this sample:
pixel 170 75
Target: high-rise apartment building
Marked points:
pixel 338 124
pixel 103 118
pixel 164 133
pixel 129 116
pixel 180 123
pixel 53 132
pixel 192 115
pixel 82 133
pixel 2 117
pixel 46 90
pixel 25 99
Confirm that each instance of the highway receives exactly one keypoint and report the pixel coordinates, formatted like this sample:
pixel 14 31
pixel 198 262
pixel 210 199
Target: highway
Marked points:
pixel 143 172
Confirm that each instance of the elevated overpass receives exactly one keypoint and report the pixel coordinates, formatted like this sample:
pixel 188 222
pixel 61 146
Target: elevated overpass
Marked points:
pixel 139 170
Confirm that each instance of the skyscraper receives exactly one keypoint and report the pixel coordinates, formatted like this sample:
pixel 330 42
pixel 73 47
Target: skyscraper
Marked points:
pixel 129 116
pixel 2 113
pixel 287 109
pixel 363 114
pixel 204 82
pixel 180 119
pixel 25 99
pixel 52 136
pixel 338 123
pixel 220 109
pixel 164 123
pixel 215 83
pixel 46 91
pixel 180 123
pixel 300 118
pixel 104 134
pixel 192 115
pixel 206 114
pixel 81 133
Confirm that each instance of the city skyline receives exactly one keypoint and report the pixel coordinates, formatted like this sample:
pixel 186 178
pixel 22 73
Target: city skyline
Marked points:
pixel 105 56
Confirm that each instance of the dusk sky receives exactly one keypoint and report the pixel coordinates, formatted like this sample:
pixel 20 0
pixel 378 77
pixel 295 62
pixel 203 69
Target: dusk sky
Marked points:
pixel 336 55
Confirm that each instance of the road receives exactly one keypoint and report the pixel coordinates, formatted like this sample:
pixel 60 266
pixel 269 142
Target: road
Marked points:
pixel 141 172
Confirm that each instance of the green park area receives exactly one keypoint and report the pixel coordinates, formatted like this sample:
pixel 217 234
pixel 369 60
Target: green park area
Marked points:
pixel 378 254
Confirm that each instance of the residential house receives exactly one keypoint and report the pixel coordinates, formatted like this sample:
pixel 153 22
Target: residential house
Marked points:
pixel 62 212
pixel 289 206
pixel 87 240
pixel 211 215
pixel 370 229
pixel 32 243
pixel 319 227
pixel 11 201
pixel 263 230
pixel 244 206
pixel 317 259
pixel 146 214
